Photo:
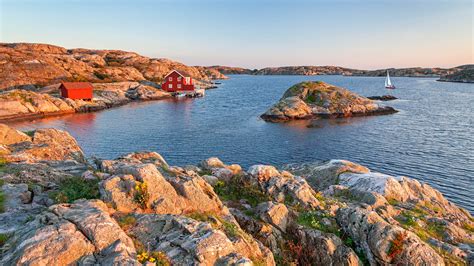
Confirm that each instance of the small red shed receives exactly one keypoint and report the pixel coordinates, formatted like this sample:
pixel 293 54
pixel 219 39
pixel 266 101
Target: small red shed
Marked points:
pixel 76 90
pixel 176 81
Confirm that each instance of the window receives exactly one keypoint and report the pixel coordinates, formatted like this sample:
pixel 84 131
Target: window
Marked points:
pixel 179 86
pixel 179 79
pixel 170 86
pixel 170 78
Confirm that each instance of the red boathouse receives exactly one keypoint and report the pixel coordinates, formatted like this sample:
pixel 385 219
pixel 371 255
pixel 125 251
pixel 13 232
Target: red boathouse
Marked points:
pixel 176 82
pixel 76 90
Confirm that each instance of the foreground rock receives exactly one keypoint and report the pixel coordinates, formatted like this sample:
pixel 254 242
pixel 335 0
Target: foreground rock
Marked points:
pixel 57 208
pixel 318 99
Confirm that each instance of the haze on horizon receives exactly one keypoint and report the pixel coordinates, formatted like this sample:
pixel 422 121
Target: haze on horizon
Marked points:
pixel 255 34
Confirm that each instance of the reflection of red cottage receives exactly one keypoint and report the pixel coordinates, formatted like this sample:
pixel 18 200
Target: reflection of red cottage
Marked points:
pixel 176 81
pixel 76 90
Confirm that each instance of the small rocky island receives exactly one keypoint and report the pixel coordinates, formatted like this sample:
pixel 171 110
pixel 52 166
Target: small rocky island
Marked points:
pixel 312 99
pixel 58 207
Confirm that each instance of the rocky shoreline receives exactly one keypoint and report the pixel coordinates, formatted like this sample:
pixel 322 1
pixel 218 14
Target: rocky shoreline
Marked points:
pixel 316 99
pixel 58 207
pixel 25 105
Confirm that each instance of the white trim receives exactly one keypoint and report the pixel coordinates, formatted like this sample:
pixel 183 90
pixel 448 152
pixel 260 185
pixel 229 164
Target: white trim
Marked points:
pixel 176 72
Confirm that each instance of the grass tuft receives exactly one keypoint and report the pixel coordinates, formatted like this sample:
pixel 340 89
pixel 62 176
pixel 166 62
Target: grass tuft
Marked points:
pixel 237 189
pixel 75 188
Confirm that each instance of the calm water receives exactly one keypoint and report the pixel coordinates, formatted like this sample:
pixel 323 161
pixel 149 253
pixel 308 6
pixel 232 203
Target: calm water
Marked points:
pixel 431 139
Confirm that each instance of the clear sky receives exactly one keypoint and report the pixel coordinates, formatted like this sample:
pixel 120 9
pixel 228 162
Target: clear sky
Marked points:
pixel 360 34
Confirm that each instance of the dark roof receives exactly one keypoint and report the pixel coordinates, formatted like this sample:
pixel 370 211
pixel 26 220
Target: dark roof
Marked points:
pixel 77 85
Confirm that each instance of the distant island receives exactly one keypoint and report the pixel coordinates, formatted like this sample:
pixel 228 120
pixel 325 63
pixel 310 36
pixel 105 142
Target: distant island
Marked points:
pixel 464 73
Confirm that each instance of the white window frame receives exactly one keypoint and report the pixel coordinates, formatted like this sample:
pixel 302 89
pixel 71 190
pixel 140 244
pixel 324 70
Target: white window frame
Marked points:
pixel 170 78
pixel 179 78
pixel 170 86
pixel 179 86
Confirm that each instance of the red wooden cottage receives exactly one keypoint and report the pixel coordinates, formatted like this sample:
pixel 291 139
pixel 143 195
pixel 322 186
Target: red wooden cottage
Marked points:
pixel 76 90
pixel 176 82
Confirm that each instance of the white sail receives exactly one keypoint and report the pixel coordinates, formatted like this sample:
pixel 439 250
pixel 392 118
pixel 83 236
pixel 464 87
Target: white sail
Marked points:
pixel 388 83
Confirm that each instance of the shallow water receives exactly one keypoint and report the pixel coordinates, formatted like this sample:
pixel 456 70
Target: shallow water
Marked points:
pixel 430 139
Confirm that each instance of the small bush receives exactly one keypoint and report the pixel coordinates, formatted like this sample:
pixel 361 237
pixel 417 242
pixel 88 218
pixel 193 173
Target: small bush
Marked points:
pixel 141 194
pixel 75 188
pixel 3 239
pixel 30 133
pixel 237 189
pixel 127 221
pixel 2 202
pixel 311 98
pixel 205 172
pixel 313 219
pixel 396 246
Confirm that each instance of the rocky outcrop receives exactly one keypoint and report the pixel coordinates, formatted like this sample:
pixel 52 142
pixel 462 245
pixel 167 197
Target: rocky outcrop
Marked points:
pixel 27 65
pixel 382 98
pixel 186 241
pixel 81 232
pixel 25 104
pixel 318 99
pixel 56 208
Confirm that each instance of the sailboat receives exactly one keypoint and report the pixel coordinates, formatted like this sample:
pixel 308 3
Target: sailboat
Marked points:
pixel 388 83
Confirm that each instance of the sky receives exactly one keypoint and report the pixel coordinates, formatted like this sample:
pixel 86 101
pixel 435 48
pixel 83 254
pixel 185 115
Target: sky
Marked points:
pixel 255 33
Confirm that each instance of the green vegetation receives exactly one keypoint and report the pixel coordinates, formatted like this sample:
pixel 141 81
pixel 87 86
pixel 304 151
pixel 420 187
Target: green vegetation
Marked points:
pixel 74 188
pixel 346 194
pixel 311 98
pixel 289 200
pixel 237 189
pixel 396 246
pixel 205 172
pixel 141 194
pixel 408 219
pixel 30 133
pixel 127 221
pixel 3 239
pixel 313 220
pixel 218 223
pixel 2 202
pixel 157 257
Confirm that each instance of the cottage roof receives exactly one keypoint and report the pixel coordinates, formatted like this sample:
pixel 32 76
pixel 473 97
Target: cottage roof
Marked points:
pixel 182 73
pixel 77 85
